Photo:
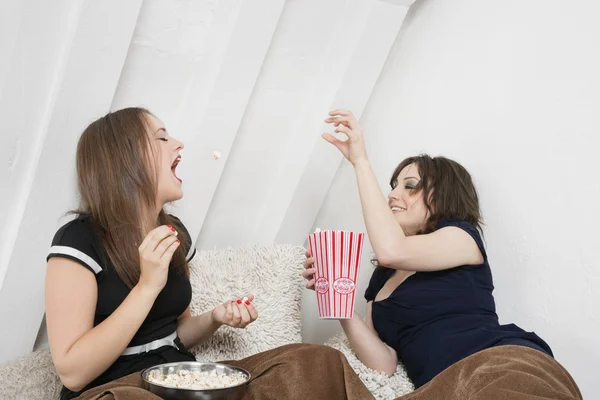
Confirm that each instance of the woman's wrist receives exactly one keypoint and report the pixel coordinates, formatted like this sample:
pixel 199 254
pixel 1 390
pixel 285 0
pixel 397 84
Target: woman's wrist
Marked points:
pixel 148 293
pixel 361 163
pixel 348 322
pixel 214 320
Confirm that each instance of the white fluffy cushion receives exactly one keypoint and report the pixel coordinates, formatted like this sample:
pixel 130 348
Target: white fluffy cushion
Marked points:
pixel 273 274
pixel 29 378
pixel 380 385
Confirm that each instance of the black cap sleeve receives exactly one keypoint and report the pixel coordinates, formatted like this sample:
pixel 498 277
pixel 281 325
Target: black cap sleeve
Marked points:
pixel 76 241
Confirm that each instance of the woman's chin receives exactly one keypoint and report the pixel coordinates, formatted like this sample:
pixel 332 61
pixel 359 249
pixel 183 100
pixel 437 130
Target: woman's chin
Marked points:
pixel 173 196
pixel 405 229
pixel 399 220
pixel 178 195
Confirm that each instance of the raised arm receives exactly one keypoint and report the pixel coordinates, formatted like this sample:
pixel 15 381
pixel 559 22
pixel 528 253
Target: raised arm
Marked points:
pixel 445 248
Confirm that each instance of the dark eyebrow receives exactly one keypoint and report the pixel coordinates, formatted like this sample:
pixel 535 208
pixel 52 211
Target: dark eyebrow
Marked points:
pixel 411 177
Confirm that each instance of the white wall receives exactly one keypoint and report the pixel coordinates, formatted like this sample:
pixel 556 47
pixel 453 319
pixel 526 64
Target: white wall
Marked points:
pixel 252 80
pixel 506 87
pixel 60 73
pixel 511 90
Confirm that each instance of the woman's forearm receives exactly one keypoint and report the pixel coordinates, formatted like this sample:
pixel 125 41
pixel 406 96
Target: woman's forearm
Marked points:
pixel 368 347
pixel 385 234
pixel 193 331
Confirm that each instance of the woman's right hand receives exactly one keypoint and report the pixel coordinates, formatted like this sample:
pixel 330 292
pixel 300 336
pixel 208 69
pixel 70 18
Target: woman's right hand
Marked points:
pixel 345 122
pixel 156 252
pixel 309 271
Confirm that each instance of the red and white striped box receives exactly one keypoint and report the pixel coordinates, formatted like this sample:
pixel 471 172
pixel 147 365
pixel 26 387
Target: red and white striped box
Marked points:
pixel 337 257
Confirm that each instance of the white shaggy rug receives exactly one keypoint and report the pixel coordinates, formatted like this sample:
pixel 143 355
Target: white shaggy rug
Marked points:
pixel 379 384
pixel 273 274
pixel 30 377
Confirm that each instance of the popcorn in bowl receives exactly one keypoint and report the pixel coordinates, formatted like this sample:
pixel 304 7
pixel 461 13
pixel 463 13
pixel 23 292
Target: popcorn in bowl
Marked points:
pixel 196 380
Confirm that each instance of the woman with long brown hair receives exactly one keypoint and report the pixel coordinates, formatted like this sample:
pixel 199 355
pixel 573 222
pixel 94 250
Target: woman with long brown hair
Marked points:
pixel 117 282
pixel 429 301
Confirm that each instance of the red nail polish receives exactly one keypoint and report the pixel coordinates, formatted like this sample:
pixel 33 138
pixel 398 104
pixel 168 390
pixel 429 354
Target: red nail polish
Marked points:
pixel 177 240
pixel 247 303
pixel 233 301
pixel 239 302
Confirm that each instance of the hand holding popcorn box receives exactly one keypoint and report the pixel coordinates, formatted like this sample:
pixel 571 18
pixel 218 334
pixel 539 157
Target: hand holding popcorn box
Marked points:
pixel 337 257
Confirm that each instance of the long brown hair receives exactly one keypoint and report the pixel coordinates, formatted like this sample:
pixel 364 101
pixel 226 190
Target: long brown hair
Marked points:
pixel 448 190
pixel 117 174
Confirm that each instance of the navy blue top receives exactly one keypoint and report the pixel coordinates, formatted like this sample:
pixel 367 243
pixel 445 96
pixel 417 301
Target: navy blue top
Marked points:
pixel 435 319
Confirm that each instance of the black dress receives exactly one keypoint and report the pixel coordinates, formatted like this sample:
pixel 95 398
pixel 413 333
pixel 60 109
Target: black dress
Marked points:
pixel 435 319
pixel 77 241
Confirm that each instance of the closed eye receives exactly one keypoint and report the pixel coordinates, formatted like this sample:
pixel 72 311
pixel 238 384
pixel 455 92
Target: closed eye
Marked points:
pixel 164 132
pixel 407 186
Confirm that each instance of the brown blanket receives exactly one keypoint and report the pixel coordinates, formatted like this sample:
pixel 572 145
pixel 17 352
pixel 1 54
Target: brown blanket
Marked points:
pixel 297 371
pixel 501 373
pixel 304 371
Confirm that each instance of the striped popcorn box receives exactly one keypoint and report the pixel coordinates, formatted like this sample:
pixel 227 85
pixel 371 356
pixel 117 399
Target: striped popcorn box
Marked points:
pixel 337 257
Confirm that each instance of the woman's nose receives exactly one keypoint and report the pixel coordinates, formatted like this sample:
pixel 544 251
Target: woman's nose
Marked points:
pixel 394 194
pixel 179 145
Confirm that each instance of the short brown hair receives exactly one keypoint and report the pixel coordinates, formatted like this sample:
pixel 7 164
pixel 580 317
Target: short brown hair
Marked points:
pixel 448 190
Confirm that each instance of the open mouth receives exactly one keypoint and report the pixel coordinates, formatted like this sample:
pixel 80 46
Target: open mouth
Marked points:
pixel 398 209
pixel 174 168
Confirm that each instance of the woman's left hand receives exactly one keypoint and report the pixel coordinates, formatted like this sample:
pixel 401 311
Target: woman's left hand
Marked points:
pixel 237 313
pixel 354 147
